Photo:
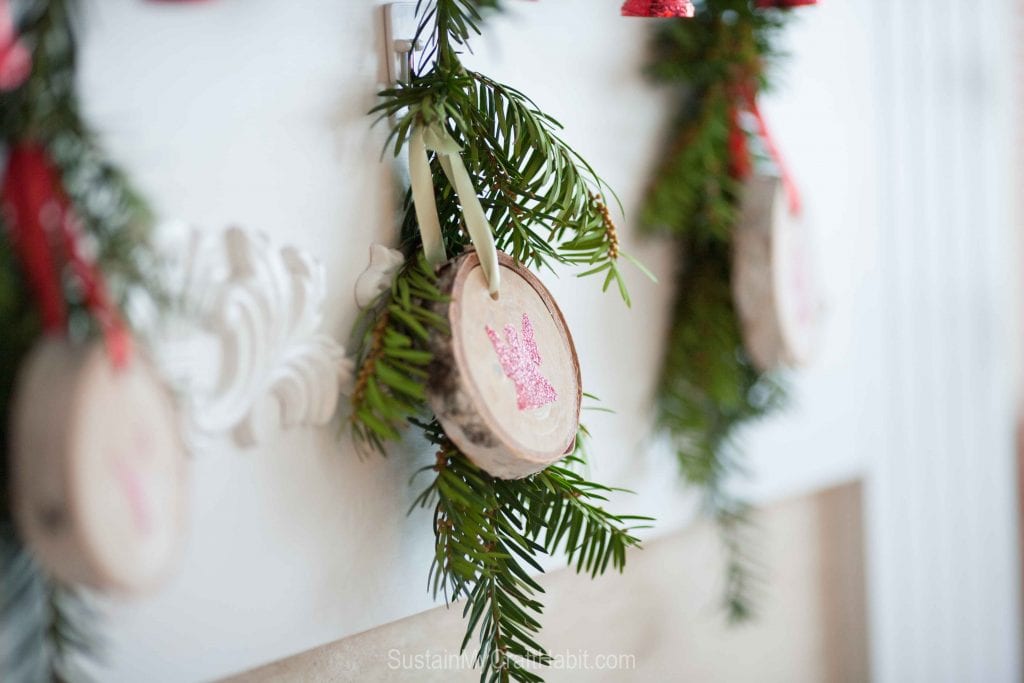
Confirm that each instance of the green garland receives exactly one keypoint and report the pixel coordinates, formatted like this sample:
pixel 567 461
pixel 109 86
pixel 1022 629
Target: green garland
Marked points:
pixel 709 387
pixel 546 205
pixel 48 628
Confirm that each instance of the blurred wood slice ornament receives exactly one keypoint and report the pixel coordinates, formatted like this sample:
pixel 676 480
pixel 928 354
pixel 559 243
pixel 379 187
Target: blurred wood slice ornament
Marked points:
pixel 98 467
pixel 505 384
pixel 771 278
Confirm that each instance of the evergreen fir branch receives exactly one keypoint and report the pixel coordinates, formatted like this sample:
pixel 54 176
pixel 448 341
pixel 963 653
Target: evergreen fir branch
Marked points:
pixel 724 41
pixel 49 629
pixel 490 533
pixel 709 390
pixel 736 531
pixel 545 203
pixel 694 192
pixel 394 355
pixel 24 651
pixel 727 44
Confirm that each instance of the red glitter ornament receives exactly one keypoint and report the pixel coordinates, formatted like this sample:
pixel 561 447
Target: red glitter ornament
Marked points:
pixel 658 8
pixel 784 4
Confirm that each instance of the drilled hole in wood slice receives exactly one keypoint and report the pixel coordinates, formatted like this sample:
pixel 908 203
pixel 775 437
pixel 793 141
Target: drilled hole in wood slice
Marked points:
pixel 505 383
pixel 98 467
pixel 772 280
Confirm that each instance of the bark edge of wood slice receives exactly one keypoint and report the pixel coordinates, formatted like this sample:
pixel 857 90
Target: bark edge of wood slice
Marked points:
pixel 509 427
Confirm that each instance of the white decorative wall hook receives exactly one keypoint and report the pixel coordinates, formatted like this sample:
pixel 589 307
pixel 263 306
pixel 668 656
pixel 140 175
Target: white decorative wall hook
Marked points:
pixel 384 263
pixel 400 44
pixel 255 355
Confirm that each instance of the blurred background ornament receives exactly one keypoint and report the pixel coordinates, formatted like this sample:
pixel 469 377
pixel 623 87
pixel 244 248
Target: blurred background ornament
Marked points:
pixel 76 251
pixel 658 8
pixel 504 387
pixel 738 295
pixel 772 279
pixel 98 467
pixel 95 453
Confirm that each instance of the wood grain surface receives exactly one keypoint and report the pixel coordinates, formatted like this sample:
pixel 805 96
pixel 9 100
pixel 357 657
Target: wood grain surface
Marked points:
pixel 511 421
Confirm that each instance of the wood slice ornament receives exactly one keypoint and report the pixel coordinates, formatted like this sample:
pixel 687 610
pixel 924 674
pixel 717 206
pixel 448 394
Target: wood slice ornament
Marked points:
pixel 98 467
pixel 772 279
pixel 505 383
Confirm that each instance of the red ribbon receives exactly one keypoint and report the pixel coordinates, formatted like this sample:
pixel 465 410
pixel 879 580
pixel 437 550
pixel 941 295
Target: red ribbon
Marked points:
pixel 788 182
pixel 44 232
pixel 658 8
pixel 27 193
pixel 739 154
pixel 742 166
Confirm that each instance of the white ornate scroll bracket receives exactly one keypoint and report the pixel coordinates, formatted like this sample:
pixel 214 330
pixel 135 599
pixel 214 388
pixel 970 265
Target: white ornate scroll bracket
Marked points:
pixel 249 354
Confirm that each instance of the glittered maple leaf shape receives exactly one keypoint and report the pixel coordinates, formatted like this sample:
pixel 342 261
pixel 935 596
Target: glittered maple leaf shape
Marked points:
pixel 520 360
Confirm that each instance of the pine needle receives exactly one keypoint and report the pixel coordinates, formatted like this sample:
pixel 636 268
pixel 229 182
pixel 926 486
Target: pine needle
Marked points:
pixel 490 535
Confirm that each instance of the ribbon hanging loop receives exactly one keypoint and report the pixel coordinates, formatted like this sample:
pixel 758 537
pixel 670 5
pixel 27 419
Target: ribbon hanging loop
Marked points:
pixel 788 182
pixel 436 139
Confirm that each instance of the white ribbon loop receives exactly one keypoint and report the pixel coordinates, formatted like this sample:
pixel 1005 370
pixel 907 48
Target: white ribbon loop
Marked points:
pixel 423 199
pixel 435 138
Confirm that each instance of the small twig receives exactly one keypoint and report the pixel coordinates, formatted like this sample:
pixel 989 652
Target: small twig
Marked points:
pixel 609 225
pixel 372 356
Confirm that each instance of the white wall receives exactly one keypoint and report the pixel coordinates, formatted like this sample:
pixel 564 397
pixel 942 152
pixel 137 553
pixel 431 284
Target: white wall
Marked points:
pixel 944 576
pixel 252 113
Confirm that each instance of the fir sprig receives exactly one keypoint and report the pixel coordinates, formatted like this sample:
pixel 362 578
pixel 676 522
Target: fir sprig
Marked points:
pixel 708 386
pixel 394 355
pixel 490 534
pixel 708 390
pixel 545 203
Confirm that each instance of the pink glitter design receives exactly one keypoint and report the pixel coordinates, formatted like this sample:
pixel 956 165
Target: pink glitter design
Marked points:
pixel 133 481
pixel 520 360
pixel 135 490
